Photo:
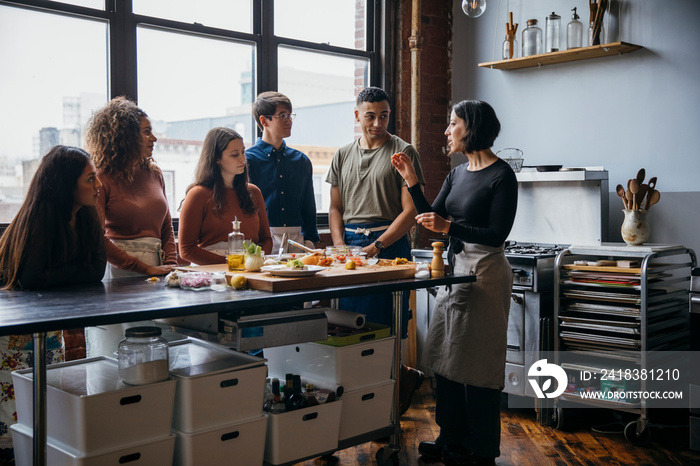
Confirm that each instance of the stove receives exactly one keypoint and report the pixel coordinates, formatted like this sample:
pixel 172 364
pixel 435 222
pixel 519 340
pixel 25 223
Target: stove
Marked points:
pixel 532 264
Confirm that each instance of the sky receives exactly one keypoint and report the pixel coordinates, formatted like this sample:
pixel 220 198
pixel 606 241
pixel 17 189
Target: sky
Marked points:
pixel 44 58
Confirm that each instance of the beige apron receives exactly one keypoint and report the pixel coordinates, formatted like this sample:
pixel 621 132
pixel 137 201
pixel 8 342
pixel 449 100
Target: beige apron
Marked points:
pixel 104 340
pixel 467 337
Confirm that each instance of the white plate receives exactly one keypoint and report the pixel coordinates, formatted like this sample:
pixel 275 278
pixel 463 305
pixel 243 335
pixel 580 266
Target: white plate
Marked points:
pixel 284 271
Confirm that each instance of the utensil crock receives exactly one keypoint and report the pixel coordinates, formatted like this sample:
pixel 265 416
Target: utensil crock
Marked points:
pixel 635 228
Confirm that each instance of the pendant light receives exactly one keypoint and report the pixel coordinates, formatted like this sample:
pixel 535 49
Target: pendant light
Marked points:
pixel 473 8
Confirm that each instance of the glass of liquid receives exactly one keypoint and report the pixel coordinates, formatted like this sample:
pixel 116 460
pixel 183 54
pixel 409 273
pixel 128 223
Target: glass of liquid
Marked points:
pixel 236 261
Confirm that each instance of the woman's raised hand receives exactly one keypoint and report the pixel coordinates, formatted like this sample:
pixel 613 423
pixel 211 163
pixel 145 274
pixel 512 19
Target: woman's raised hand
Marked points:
pixel 433 222
pixel 404 166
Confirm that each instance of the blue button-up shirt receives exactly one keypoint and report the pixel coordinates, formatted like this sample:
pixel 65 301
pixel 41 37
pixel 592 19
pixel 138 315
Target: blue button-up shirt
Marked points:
pixel 285 177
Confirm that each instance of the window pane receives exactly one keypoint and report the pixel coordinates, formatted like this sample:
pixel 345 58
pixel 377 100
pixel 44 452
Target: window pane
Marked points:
pixel 96 4
pixel 51 85
pixel 188 85
pixel 325 110
pixel 340 22
pixel 236 15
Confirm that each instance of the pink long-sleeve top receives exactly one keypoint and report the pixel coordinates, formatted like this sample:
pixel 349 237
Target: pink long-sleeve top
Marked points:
pixel 135 210
pixel 200 227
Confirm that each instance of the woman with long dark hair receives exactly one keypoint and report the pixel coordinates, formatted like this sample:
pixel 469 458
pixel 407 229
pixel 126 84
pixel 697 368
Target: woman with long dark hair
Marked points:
pixel 220 193
pixel 55 239
pixel 466 344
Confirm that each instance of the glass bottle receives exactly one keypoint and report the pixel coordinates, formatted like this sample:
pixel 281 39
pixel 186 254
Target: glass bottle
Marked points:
pixel 296 400
pixel 510 48
pixel 143 356
pixel 591 39
pixel 574 32
pixel 236 252
pixel 552 32
pixel 532 39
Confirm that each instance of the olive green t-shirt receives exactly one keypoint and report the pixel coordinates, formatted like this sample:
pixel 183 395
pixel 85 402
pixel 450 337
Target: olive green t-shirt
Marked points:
pixel 370 186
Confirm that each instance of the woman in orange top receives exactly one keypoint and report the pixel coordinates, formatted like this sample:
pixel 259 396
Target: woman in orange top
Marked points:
pixel 220 194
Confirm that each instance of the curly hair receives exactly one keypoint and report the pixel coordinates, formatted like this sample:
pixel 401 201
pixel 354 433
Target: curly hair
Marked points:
pixel 372 95
pixel 208 172
pixel 113 137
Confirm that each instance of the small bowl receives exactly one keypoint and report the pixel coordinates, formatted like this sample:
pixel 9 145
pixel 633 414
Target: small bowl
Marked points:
pixel 196 281
pixel 513 156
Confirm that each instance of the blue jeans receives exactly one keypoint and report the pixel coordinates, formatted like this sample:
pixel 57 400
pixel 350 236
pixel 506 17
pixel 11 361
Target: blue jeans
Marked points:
pixel 378 307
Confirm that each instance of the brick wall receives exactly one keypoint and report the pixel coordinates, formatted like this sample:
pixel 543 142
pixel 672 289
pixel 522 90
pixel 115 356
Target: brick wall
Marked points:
pixel 435 91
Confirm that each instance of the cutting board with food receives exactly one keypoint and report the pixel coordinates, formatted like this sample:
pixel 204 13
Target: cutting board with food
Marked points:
pixel 282 278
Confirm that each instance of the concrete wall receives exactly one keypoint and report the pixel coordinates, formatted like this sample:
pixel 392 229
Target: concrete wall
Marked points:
pixel 623 112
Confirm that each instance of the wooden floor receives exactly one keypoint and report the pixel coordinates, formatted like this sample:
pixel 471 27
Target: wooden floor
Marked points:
pixel 525 442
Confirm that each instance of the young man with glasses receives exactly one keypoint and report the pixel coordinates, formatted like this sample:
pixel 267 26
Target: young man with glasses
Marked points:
pixel 284 175
pixel 371 207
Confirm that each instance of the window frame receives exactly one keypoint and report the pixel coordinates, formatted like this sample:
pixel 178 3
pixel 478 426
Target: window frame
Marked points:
pixel 122 53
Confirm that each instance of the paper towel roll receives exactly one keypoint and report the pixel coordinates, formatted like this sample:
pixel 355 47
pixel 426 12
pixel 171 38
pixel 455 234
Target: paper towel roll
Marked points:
pixel 345 318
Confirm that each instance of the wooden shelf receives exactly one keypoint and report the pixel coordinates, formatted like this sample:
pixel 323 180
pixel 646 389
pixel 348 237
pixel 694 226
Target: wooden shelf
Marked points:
pixel 563 56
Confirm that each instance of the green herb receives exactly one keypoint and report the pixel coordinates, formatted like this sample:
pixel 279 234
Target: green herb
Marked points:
pixel 295 264
pixel 251 248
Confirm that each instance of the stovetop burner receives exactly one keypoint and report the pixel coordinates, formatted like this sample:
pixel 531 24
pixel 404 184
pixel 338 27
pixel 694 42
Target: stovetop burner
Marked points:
pixel 533 249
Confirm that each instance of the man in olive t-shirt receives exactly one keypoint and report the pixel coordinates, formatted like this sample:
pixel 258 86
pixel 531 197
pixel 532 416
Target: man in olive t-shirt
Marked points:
pixel 371 207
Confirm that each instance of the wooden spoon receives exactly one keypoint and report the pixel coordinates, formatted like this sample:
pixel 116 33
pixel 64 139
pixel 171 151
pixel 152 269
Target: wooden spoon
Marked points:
pixel 630 199
pixel 621 193
pixel 639 198
pixel 634 188
pixel 653 198
pixel 652 183
pixel 640 176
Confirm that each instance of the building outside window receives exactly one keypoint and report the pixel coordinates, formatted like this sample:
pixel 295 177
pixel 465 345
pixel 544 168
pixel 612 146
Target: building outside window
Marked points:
pixel 191 66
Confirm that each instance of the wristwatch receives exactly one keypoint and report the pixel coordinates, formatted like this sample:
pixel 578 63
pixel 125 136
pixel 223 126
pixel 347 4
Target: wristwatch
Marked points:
pixel 378 244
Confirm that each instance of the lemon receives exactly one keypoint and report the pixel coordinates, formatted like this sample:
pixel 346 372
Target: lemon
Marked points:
pixel 238 281
pixel 350 265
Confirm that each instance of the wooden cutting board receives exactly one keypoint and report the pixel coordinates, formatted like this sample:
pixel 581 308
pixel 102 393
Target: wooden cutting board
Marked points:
pixel 332 276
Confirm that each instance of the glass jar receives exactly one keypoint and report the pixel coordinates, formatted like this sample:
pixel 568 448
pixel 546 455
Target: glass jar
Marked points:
pixel 552 33
pixel 574 32
pixel 143 356
pixel 532 39
pixel 601 37
pixel 510 47
pixel 236 251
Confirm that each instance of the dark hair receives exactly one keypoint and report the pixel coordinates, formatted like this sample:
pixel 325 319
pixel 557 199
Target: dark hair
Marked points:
pixel 481 122
pixel 48 206
pixel 208 172
pixel 266 104
pixel 372 95
pixel 113 137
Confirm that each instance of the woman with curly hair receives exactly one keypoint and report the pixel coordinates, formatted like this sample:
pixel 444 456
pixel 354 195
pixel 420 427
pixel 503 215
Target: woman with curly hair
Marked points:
pixel 132 204
pixel 220 193
pixel 55 239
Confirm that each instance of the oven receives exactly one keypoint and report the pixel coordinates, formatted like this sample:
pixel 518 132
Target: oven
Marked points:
pixel 530 314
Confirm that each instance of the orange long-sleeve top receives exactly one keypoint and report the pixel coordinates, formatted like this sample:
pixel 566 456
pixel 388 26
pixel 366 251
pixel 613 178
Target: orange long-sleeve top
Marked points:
pixel 135 210
pixel 200 227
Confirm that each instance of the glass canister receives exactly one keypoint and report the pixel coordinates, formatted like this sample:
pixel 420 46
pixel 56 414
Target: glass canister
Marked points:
pixel 552 32
pixel 532 39
pixel 510 47
pixel 574 32
pixel 143 356
pixel 236 251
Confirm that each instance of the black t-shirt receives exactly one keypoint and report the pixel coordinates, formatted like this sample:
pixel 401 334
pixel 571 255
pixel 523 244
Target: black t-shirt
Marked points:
pixel 482 203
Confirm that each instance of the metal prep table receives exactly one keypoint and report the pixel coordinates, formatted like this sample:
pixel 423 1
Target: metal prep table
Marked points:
pixel 131 299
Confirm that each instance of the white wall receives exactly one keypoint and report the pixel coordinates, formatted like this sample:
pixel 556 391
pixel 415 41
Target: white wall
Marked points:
pixel 623 112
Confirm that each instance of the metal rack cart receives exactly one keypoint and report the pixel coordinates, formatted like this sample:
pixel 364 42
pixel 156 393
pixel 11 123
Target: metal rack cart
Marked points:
pixel 615 307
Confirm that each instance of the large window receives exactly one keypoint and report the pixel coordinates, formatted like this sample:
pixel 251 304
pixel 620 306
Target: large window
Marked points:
pixel 190 65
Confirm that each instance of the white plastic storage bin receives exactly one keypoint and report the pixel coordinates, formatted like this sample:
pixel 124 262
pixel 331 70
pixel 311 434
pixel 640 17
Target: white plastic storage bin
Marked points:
pixel 352 366
pixel 90 409
pixel 151 453
pixel 302 433
pixel 242 443
pixel 216 386
pixel 366 409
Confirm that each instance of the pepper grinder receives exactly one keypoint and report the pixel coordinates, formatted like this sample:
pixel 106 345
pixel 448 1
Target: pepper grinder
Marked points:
pixel 437 266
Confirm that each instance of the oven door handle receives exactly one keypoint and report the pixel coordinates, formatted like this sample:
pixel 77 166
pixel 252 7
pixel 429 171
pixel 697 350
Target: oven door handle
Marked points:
pixel 518 299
